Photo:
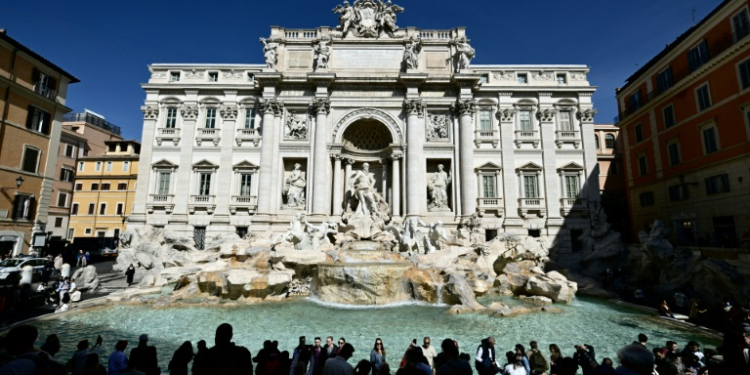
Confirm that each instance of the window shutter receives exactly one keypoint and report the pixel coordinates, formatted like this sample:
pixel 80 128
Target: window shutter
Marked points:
pixel 52 86
pixel 703 47
pixel 691 60
pixel 17 207
pixel 30 117
pixel 46 120
pixel 35 76
pixel 32 209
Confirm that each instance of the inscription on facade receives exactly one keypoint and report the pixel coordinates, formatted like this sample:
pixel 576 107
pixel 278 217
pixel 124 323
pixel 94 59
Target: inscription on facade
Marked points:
pixel 367 59
pixel 300 59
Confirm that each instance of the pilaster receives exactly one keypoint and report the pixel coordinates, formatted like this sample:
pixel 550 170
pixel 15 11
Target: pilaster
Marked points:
pixel 465 109
pixel 151 114
pixel 546 116
pixel 509 186
pixel 321 193
pixel 416 192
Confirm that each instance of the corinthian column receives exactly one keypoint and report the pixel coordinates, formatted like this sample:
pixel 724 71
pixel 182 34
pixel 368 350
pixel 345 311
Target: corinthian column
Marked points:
pixel 321 196
pixel 416 196
pixel 269 108
pixel 465 110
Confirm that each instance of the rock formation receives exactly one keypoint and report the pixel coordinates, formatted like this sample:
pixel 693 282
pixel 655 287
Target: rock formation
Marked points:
pixel 86 279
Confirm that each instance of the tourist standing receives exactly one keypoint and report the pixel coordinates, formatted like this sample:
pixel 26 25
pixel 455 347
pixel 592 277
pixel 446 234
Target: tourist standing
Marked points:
pixel 81 260
pixel 300 357
pixel 416 363
pixel 362 368
pixel 537 361
pixel 118 361
pixel 329 351
pixel 145 357
pixel 58 264
pixel 180 359
pixel 20 345
pixel 520 350
pixel 339 365
pixel 92 366
pixel 515 364
pixel 636 360
pixel 451 364
pixel 199 362
pixel 429 352
pixel 585 357
pixel 555 359
pixel 377 356
pixel 51 345
pixel 226 357
pixel 316 357
pixel 342 342
pixel 129 274
pixel 485 359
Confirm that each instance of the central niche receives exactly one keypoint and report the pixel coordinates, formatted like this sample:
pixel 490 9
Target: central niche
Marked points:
pixel 367 135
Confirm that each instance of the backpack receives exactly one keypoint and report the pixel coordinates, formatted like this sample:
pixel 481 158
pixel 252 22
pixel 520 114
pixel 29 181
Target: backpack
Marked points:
pixel 538 362
pixel 273 363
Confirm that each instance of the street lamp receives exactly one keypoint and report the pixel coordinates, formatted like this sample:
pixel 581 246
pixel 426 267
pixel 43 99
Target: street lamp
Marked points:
pixel 19 181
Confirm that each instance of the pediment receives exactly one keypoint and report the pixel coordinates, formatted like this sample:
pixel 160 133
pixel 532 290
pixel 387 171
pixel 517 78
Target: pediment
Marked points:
pixel 530 167
pixel 205 164
pixel 245 165
pixel 571 167
pixel 489 166
pixel 164 163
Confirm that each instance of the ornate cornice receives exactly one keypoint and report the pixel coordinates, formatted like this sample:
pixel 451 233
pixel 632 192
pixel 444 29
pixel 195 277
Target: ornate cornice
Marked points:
pixel 189 112
pixel 228 112
pixel 150 113
pixel 545 115
pixel 322 105
pixel 505 115
pixel 464 107
pixel 414 107
pixel 586 115
pixel 271 106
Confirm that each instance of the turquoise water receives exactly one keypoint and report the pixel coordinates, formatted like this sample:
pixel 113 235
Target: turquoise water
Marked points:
pixel 604 325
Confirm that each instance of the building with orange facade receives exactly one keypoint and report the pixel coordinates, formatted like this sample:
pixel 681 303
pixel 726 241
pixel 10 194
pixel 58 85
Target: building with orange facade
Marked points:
pixel 685 128
pixel 32 104
pixel 612 176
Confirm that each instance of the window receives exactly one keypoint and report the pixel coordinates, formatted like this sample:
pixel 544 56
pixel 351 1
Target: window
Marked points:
pixel 241 231
pixel 105 186
pixel 647 199
pixel 80 166
pixel 162 185
pixel 204 183
pixel 79 186
pixel 23 207
pixel 524 120
pixel 62 200
pixel 642 165
pixel 92 207
pixel 70 150
pixel 213 77
pixel 741 24
pixel 30 160
pixel 94 186
pixel 530 187
pixel 120 209
pixel 109 166
pixel 698 56
pixel 171 120
pixel 612 170
pixel 210 118
pixel 668 112
pixel 638 133
pixel 483 79
pixel 38 120
pixel 571 187
pixel 251 77
pixel 522 78
pixel 717 184
pixel 58 222
pixel 66 175
pixel 122 186
pixel 635 101
pixel 102 208
pixel 74 209
pixel 596 141
pixel 609 141
pixel 125 166
pixel 488 187
pixel 673 149
pixel 43 84
pixel 664 80
pixel 485 122
pixel 87 231
pixel 564 121
pixel 704 97
pixel 710 140
pixel 678 193
pixel 744 74
pixel 71 232
pixel 98 167
pixel 561 79
pixel 245 183
pixel 249 118
pixel 174 76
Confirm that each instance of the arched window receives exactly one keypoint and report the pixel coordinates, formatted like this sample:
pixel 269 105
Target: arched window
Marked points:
pixel 596 139
pixel 609 141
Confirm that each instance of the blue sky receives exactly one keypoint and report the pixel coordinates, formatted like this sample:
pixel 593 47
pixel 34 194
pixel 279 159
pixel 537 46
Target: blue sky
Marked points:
pixel 108 44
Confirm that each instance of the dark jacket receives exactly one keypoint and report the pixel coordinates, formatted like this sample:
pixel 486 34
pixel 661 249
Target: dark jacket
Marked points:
pixel 145 359
pixel 229 359
pixel 485 364
pixel 586 359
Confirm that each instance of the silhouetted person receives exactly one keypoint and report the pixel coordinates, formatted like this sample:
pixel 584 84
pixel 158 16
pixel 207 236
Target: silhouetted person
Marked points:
pixel 339 365
pixel 450 363
pixel 300 358
pixel 144 357
pixel 363 368
pixel 416 363
pixel 199 362
pixel 261 358
pixel 329 351
pixel 92 366
pixel 227 358
pixel 28 360
pixel 118 361
pixel 485 360
pixel 180 359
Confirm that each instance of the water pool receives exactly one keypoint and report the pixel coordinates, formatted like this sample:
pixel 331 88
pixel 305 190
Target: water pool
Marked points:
pixel 604 325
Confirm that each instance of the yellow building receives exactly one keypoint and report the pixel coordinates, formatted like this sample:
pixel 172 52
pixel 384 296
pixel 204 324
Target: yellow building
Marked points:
pixel 103 197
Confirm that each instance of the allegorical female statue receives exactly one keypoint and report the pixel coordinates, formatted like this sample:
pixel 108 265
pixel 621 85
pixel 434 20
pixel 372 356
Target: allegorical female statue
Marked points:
pixel 295 187
pixel 439 189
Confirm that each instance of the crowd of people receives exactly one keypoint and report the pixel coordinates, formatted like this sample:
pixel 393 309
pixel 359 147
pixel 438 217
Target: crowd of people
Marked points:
pixel 19 356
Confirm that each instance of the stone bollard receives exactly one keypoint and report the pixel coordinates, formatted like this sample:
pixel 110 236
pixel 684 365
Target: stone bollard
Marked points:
pixel 65 270
pixel 27 274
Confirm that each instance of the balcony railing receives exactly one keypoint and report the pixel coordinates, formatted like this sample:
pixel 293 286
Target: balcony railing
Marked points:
pixel 247 135
pixel 527 136
pixel 568 136
pixel 301 34
pixel 490 202
pixel 164 201
pixel 572 204
pixel 208 134
pixel 250 200
pixel 435 34
pixel 169 131
pixel 168 134
pixel 93 120
pixel 715 48
pixel 202 199
pixel 46 92
pixel 485 134
pixel 526 205
pixel 531 202
pixel 161 198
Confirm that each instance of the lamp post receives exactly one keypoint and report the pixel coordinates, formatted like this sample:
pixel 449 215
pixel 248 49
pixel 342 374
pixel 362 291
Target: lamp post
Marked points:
pixel 19 182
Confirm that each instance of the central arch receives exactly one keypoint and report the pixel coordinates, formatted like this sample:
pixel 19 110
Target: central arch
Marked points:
pixel 374 115
pixel 366 135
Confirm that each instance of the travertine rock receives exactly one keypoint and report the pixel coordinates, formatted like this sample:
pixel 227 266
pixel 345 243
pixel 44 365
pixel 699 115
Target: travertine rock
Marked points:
pixel 86 279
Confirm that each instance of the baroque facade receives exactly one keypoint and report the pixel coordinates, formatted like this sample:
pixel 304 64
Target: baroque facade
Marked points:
pixel 230 148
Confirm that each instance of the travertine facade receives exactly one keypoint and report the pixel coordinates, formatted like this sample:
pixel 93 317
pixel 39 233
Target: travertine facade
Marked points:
pixel 246 147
